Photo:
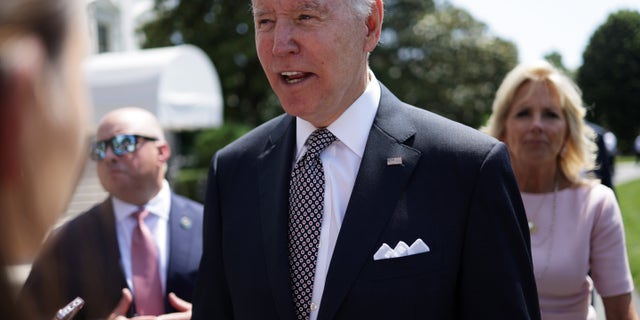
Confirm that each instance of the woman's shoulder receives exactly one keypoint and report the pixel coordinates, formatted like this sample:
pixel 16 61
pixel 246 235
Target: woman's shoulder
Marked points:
pixel 600 191
pixel 598 201
pixel 592 190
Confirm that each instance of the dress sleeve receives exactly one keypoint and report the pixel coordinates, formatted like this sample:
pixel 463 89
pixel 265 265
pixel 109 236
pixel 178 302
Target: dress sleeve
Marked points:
pixel 608 259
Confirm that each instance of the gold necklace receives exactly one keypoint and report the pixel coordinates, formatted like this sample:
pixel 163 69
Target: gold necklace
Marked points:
pixel 550 235
pixel 533 227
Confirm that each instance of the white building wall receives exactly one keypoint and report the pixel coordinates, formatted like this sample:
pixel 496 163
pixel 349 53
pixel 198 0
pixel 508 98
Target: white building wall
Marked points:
pixel 113 23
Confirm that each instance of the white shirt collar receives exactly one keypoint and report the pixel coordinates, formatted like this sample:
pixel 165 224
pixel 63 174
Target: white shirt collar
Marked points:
pixel 160 205
pixel 352 127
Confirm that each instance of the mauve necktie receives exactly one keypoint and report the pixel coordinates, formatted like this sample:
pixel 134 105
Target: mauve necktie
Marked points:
pixel 147 288
pixel 306 201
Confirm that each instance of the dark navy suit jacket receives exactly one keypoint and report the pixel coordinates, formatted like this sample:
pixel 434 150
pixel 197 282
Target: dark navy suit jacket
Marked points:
pixel 82 259
pixel 455 190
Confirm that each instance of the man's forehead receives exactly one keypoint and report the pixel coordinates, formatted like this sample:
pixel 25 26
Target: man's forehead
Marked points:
pixel 266 6
pixel 107 132
pixel 109 129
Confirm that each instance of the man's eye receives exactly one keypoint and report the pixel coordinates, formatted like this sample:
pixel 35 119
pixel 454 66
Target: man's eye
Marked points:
pixel 304 17
pixel 264 22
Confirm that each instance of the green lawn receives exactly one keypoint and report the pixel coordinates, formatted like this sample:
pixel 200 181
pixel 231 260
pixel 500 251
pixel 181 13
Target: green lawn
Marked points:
pixel 625 158
pixel 629 199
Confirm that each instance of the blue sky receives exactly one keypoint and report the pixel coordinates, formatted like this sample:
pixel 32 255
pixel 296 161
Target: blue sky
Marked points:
pixel 541 26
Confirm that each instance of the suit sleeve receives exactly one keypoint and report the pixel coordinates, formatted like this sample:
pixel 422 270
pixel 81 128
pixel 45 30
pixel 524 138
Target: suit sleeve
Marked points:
pixel 43 291
pixel 212 299
pixel 497 280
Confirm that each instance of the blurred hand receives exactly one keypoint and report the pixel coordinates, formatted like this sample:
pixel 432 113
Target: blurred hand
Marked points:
pixel 183 309
pixel 122 307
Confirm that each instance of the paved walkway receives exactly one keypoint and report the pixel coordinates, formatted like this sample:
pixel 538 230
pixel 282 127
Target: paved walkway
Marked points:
pixel 624 172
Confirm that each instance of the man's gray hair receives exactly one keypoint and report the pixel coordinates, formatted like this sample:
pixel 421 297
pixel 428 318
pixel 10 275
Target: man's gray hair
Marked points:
pixel 362 8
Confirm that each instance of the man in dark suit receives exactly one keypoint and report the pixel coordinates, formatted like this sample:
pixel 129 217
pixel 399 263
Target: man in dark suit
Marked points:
pixel 604 158
pixel 420 217
pixel 91 255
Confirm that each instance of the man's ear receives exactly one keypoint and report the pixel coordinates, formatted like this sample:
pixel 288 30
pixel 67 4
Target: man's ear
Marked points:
pixel 164 151
pixel 374 25
pixel 23 60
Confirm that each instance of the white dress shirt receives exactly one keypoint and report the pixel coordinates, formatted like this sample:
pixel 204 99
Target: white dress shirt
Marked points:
pixel 157 222
pixel 341 161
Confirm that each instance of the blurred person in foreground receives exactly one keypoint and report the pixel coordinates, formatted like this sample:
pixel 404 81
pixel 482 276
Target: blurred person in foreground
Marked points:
pixel 43 126
pixel 93 256
pixel 411 215
pixel 575 222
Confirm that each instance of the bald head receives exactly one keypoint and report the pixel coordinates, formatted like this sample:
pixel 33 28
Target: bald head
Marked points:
pixel 137 175
pixel 130 120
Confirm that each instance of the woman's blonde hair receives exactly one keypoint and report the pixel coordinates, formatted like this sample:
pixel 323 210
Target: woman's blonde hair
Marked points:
pixel 580 153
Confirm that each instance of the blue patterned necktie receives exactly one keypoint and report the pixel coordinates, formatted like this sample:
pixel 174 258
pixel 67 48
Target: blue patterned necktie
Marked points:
pixel 306 202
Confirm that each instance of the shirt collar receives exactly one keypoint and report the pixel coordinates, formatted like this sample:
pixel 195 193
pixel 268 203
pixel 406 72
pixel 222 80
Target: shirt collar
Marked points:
pixel 160 205
pixel 353 125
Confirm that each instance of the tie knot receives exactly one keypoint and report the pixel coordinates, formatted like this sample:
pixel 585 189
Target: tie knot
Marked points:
pixel 319 140
pixel 140 214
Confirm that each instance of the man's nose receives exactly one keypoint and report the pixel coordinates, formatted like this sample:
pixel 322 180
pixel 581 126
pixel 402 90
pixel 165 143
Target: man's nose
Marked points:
pixel 109 155
pixel 284 38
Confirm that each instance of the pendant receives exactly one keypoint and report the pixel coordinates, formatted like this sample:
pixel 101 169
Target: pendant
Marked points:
pixel 532 227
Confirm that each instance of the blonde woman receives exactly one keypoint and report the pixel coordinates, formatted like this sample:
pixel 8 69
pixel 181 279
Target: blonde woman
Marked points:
pixel 577 236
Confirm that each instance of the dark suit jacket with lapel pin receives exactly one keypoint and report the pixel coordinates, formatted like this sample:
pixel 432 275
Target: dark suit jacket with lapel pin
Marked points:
pixel 82 259
pixel 454 189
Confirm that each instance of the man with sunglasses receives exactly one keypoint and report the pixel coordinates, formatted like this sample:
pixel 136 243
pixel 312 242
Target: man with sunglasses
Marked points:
pixel 92 256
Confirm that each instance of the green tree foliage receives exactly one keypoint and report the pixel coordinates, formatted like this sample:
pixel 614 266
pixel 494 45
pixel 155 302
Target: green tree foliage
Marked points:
pixel 209 141
pixel 441 59
pixel 200 146
pixel 224 30
pixel 610 76
pixel 555 58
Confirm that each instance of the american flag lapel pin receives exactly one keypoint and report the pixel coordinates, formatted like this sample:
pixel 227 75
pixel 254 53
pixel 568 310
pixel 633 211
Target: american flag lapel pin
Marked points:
pixel 394 161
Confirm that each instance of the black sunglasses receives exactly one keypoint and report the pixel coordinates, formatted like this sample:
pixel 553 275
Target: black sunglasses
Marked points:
pixel 120 144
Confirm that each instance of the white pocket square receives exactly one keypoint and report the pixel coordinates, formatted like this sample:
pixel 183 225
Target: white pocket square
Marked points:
pixel 401 250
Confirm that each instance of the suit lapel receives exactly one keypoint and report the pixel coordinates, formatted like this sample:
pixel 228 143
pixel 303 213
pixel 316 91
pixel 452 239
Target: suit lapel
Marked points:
pixel 378 187
pixel 181 239
pixel 110 238
pixel 274 165
pixel 110 249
